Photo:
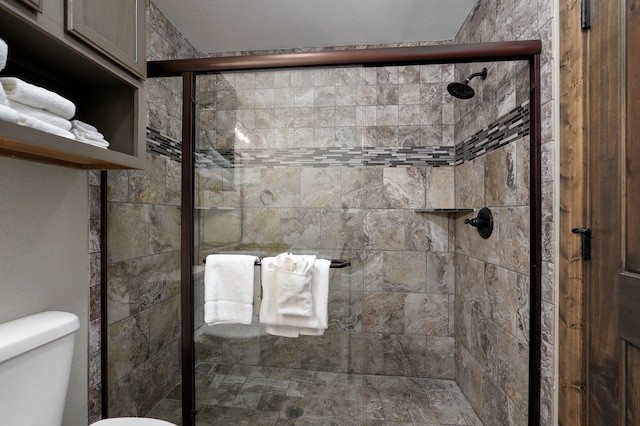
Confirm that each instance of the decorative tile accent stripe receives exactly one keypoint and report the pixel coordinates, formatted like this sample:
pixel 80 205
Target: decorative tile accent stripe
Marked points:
pixel 510 127
pixel 163 145
pixel 329 157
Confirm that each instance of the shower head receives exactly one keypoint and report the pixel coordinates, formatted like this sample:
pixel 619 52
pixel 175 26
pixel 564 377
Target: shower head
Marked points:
pixel 463 90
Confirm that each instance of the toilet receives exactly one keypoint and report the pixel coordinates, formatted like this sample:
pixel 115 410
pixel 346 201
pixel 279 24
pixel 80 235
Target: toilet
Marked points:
pixel 35 366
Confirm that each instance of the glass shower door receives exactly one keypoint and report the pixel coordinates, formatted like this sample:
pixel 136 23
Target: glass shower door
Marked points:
pixel 278 168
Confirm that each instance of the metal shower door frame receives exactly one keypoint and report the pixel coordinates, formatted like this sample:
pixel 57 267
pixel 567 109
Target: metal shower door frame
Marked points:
pixel 528 50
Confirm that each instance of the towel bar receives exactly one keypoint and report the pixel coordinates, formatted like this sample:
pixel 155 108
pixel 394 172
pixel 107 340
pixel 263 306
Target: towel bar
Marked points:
pixel 335 263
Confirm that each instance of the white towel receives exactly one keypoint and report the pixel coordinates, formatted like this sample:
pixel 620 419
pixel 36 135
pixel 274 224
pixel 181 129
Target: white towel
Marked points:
pixel 37 97
pixel 102 143
pixel 9 114
pixel 96 136
pixel 34 123
pixel 294 325
pixel 228 288
pixel 3 96
pixel 4 53
pixel 83 126
pixel 293 296
pixel 40 114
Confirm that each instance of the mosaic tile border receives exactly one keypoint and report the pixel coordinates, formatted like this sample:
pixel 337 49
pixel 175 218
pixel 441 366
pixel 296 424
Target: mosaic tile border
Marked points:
pixel 163 145
pixel 510 127
pixel 329 157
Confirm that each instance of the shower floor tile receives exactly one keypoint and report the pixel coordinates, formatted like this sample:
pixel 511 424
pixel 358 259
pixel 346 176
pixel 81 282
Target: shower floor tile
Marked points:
pixel 241 395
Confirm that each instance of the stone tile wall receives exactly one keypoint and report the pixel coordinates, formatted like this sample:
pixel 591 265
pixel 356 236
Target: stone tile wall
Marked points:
pixel 492 285
pixel 489 277
pixel 95 297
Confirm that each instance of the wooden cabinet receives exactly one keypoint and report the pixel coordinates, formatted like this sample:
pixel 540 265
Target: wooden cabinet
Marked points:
pixel 107 93
pixel 114 27
pixel 33 4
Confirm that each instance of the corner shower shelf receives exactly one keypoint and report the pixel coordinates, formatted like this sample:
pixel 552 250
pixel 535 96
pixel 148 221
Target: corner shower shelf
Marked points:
pixel 449 210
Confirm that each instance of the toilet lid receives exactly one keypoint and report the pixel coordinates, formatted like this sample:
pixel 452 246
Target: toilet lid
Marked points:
pixel 132 421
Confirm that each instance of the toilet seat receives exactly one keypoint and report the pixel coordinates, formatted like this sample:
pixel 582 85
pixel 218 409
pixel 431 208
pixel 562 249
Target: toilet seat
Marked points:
pixel 132 421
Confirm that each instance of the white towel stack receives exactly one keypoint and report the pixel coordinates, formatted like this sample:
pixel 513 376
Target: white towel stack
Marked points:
pixel 37 97
pixel 285 309
pixel 89 134
pixel 38 107
pixel 42 109
pixel 228 289
pixel 40 114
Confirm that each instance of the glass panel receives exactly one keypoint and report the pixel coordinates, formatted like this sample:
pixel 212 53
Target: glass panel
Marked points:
pixel 359 164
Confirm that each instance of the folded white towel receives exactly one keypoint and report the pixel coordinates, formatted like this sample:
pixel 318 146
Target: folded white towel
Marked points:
pixel 83 126
pixel 40 114
pixel 9 114
pixel 96 136
pixel 37 97
pixel 294 284
pixel 102 143
pixel 3 96
pixel 4 53
pixel 34 123
pixel 294 325
pixel 228 288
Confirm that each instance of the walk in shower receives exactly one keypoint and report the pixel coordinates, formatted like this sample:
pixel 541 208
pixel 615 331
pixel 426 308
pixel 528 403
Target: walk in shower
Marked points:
pixel 379 167
pixel 332 162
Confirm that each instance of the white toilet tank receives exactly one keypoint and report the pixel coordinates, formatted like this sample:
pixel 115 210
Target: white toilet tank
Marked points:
pixel 35 365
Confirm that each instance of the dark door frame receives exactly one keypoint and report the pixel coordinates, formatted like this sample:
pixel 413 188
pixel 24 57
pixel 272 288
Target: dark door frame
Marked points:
pixel 528 50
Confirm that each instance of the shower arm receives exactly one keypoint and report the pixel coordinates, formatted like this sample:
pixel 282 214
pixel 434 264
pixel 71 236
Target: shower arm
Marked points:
pixel 482 74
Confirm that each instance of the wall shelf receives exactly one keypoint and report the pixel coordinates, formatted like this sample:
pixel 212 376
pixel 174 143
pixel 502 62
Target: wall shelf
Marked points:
pixel 105 95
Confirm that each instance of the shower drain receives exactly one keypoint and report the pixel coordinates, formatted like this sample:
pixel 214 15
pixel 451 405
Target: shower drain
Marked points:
pixel 293 412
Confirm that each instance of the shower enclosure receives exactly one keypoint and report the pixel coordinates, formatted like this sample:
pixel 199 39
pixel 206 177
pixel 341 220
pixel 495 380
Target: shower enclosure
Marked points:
pixel 363 156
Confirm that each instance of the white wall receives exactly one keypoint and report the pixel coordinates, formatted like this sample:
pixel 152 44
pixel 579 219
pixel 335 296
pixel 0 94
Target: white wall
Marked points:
pixel 44 261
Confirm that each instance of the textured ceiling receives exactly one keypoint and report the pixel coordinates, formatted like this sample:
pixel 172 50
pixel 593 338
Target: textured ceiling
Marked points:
pixel 241 25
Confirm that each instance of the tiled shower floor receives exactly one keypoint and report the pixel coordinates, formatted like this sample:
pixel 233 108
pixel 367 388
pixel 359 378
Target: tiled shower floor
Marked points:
pixel 243 395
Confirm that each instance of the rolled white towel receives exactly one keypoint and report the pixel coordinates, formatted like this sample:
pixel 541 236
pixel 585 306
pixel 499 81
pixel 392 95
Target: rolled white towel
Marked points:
pixel 9 114
pixel 40 114
pixel 38 97
pixel 4 53
pixel 34 123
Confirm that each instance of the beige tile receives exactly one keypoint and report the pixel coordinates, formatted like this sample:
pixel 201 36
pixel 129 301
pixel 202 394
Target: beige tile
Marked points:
pixel 426 314
pixel 440 184
pixel 469 178
pixel 381 228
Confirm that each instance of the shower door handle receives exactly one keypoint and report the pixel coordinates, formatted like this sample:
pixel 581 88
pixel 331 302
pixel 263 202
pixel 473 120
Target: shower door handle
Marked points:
pixel 585 242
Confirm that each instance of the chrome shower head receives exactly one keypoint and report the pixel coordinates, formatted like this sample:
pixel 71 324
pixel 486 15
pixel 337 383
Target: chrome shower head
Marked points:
pixel 463 90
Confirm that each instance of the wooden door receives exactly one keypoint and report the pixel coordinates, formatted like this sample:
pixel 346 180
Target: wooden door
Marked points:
pixel 613 183
pixel 629 293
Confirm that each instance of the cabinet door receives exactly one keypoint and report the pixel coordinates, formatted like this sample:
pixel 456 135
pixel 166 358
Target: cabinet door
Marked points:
pixel 33 4
pixel 115 27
